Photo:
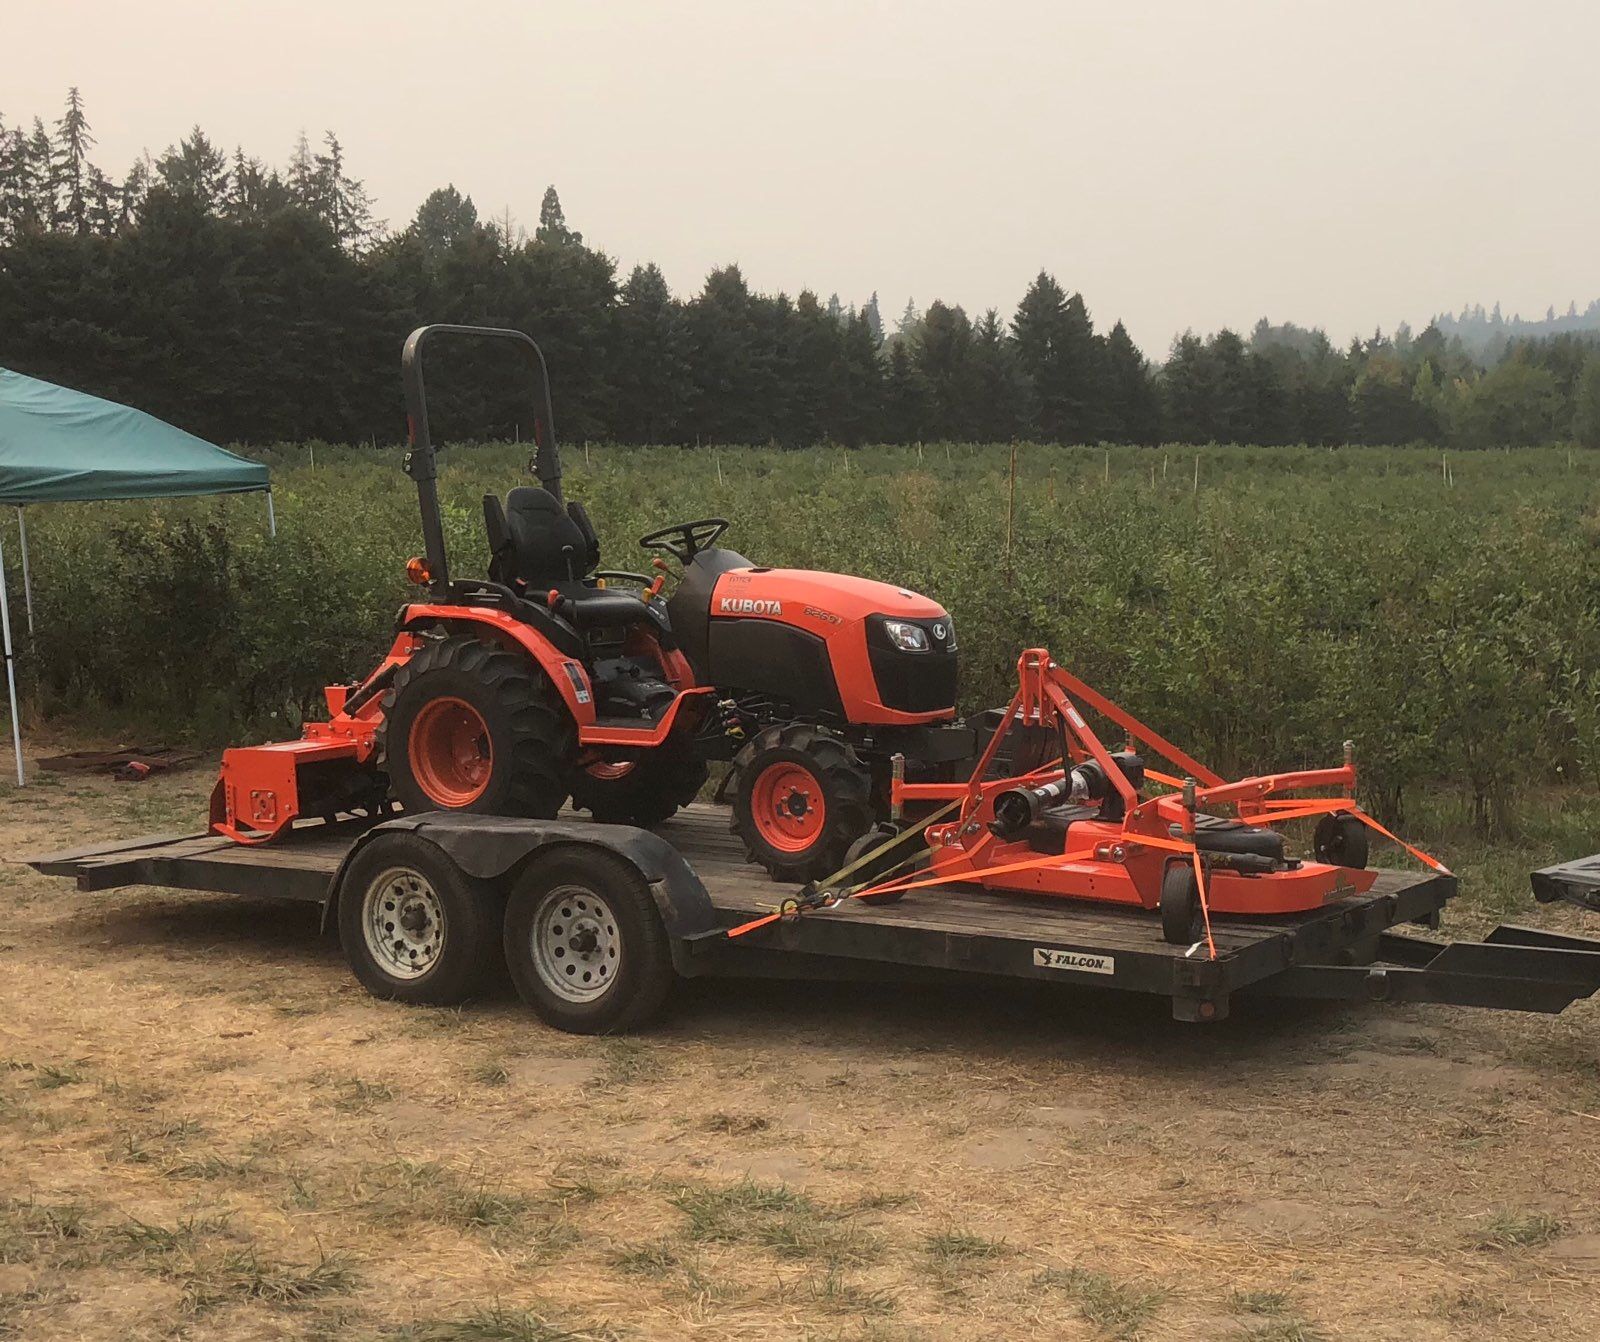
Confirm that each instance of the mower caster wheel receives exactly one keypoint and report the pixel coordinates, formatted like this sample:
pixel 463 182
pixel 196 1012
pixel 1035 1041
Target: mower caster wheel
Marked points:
pixel 1341 840
pixel 414 926
pixel 585 942
pixel 877 869
pixel 1182 923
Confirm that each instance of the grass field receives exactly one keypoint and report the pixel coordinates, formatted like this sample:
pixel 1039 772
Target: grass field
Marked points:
pixel 208 1131
pixel 1442 612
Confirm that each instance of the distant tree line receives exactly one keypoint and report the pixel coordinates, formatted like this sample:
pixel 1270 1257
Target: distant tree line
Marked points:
pixel 250 303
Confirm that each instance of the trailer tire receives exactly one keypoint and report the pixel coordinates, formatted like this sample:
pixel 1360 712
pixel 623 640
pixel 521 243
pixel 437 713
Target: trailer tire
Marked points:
pixel 585 943
pixel 1341 840
pixel 415 927
pixel 1181 921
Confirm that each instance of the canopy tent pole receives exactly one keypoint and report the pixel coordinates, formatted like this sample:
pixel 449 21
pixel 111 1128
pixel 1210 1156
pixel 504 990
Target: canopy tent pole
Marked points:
pixel 11 667
pixel 27 581
pixel 272 529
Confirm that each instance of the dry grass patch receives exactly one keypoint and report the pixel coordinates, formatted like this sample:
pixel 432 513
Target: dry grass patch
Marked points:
pixel 1517 1230
pixel 787 1223
pixel 498 1324
pixel 1115 1308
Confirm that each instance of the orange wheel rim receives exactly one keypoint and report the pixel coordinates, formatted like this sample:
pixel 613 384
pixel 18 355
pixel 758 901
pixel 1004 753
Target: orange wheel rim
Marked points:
pixel 788 807
pixel 607 770
pixel 450 754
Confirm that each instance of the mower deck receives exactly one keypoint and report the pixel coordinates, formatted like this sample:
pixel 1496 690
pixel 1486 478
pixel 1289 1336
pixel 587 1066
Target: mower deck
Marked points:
pixel 1344 950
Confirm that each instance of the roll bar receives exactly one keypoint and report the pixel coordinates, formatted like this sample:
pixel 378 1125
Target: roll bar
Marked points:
pixel 421 459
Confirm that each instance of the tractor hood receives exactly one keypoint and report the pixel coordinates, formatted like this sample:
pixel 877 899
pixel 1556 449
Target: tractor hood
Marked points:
pixel 817 601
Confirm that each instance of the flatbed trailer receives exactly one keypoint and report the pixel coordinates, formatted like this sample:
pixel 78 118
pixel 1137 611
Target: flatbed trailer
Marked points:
pixel 1372 946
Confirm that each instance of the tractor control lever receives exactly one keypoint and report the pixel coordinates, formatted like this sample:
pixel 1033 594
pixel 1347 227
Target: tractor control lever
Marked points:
pixel 651 592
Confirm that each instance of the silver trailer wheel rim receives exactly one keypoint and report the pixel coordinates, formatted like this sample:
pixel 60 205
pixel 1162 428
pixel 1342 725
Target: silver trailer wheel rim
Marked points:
pixel 576 950
pixel 402 920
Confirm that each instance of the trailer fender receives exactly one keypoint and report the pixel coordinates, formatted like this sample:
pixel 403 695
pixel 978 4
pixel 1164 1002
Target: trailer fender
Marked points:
pixel 492 847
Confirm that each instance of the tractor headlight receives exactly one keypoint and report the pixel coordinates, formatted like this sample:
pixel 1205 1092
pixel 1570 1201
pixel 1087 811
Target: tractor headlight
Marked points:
pixel 905 636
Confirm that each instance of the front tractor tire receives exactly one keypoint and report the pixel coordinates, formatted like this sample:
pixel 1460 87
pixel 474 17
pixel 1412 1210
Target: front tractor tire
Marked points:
pixel 469 726
pixel 644 791
pixel 801 798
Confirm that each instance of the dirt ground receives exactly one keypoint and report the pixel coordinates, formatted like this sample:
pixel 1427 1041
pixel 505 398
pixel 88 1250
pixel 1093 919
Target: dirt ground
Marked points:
pixel 207 1130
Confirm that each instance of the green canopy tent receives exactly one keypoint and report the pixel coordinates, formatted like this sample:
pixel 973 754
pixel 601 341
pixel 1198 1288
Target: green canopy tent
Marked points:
pixel 58 445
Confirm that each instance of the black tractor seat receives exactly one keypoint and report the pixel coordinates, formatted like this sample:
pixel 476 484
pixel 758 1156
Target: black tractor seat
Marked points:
pixel 596 607
pixel 537 547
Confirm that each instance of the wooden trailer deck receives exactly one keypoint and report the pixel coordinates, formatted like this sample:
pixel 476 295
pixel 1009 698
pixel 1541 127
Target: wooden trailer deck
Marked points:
pixel 932 931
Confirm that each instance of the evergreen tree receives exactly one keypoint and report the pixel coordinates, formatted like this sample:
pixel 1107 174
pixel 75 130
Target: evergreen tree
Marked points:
pixel 303 180
pixel 340 201
pixel 998 394
pixel 1189 390
pixel 445 218
pixel 874 319
pixel 905 398
pixel 1057 353
pixel 39 176
pixel 135 187
pixel 859 383
pixel 70 165
pixel 553 221
pixel 652 366
pixel 103 213
pixel 1586 405
pixel 943 355
pixel 15 192
pixel 910 324
pixel 1132 409
pixel 196 171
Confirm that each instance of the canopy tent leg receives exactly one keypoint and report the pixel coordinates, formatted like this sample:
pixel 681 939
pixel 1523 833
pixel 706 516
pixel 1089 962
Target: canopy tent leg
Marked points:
pixel 272 520
pixel 11 667
pixel 27 580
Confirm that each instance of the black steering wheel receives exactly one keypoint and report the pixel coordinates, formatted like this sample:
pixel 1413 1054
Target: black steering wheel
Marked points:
pixel 686 539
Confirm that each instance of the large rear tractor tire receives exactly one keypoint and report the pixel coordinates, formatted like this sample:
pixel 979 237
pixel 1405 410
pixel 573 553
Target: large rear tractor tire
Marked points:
pixel 468 726
pixel 800 799
pixel 645 790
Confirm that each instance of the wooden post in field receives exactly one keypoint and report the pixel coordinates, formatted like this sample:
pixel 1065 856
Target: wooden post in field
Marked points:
pixel 919 453
pixel 1163 465
pixel 1108 466
pixel 586 452
pixel 312 448
pixel 1011 505
pixel 1444 467
pixel 716 456
pixel 1196 472
pixel 1152 475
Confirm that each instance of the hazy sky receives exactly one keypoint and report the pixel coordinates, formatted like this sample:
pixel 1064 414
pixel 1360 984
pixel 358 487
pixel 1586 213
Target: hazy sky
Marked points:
pixel 1183 164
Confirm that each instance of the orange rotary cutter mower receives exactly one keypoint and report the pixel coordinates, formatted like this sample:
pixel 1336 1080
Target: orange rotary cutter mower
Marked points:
pixel 1086 824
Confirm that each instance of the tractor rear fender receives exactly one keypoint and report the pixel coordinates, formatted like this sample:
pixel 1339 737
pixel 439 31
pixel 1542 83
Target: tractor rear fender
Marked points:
pixel 495 848
pixel 565 673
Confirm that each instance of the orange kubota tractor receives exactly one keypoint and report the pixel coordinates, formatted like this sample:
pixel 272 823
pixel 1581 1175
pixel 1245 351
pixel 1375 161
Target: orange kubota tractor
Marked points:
pixel 553 679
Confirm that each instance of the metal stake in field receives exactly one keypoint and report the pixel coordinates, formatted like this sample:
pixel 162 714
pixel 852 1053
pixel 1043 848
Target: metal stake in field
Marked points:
pixel 11 668
pixel 1011 505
